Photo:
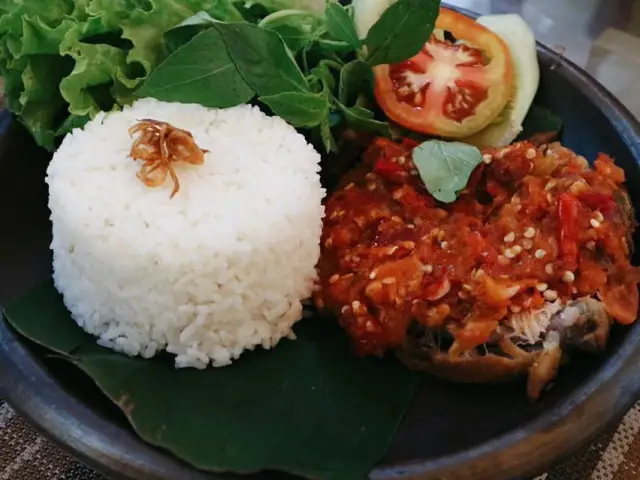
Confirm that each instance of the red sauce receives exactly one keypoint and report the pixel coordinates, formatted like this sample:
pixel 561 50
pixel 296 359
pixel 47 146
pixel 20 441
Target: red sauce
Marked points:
pixel 532 225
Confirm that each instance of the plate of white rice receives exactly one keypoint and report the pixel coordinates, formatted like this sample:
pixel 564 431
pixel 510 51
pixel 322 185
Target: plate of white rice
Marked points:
pixel 221 267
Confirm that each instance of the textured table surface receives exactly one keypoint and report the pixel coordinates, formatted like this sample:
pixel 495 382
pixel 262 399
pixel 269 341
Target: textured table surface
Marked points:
pixel 25 455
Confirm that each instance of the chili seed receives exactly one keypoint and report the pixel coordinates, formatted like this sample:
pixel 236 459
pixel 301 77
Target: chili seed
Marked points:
pixel 591 245
pixel 594 223
pixel 540 253
pixel 427 269
pixel 371 187
pixel 599 217
pixel 355 305
pixel 444 245
pixel 389 280
pixel 502 260
pixel 527 244
pixel 334 278
pixel 548 268
pixel 509 253
pixel 509 237
pixel 372 275
pixel 541 287
pixel 568 277
pixel 328 243
pixel 517 249
pixel 487 159
pixel 530 154
pixel 345 309
pixel 530 232
pixel 550 295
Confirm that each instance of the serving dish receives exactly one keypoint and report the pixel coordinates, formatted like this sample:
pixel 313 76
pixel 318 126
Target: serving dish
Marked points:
pixel 450 431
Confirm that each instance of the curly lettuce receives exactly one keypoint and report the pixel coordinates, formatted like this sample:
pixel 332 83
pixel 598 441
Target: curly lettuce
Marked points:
pixel 63 61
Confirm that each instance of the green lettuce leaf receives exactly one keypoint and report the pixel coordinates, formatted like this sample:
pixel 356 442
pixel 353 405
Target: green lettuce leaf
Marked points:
pixel 65 59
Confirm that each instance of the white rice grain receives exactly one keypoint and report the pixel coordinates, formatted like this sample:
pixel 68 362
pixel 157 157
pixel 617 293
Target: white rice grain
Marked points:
pixel 220 268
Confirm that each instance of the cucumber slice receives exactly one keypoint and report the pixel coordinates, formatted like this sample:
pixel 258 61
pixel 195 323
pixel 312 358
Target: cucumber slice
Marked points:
pixel 522 45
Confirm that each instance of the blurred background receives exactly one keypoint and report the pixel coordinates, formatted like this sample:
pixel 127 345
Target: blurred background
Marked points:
pixel 602 36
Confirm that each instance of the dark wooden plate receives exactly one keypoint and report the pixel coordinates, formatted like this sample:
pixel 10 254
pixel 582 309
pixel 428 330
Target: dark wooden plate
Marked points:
pixel 451 431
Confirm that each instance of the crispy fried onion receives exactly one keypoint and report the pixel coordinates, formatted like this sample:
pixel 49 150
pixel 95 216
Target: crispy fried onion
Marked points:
pixel 158 145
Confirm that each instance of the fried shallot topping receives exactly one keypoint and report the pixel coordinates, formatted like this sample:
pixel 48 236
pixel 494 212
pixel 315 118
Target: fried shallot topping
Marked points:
pixel 158 145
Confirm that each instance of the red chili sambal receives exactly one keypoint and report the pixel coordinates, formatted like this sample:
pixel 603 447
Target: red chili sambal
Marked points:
pixel 533 225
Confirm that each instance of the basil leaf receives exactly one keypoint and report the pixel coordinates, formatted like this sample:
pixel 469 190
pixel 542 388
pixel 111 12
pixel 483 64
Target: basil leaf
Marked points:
pixel 327 137
pixel 262 58
pixel 299 109
pixel 298 28
pixel 362 119
pixel 355 78
pixel 340 24
pixel 401 31
pixel 199 72
pixel 182 34
pixel 445 167
pixel 323 73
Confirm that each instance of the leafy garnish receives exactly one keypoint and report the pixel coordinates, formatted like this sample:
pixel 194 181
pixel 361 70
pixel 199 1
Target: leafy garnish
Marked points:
pixel 328 61
pixel 201 71
pixel 308 406
pixel 298 28
pixel 356 78
pixel 361 119
pixel 299 109
pixel 340 25
pixel 445 167
pixel 61 58
pixel 401 31
pixel 262 58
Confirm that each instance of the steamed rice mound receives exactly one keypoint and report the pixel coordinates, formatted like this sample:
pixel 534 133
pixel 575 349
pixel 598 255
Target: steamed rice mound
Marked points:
pixel 220 268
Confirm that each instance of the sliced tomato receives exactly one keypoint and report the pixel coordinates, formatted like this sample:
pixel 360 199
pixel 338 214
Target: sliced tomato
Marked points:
pixel 621 302
pixel 449 89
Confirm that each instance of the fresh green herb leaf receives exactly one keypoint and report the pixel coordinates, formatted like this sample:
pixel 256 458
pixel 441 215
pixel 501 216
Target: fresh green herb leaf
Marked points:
pixel 201 71
pixel 299 109
pixel 334 46
pixel 340 24
pixel 401 31
pixel 445 167
pixel 278 5
pixel 323 73
pixel 262 58
pixel 298 28
pixel 362 119
pixel 184 32
pixel 355 78
pixel 327 137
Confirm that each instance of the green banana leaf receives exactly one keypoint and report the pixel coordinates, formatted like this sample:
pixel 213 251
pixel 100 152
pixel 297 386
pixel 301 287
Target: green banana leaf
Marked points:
pixel 308 406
